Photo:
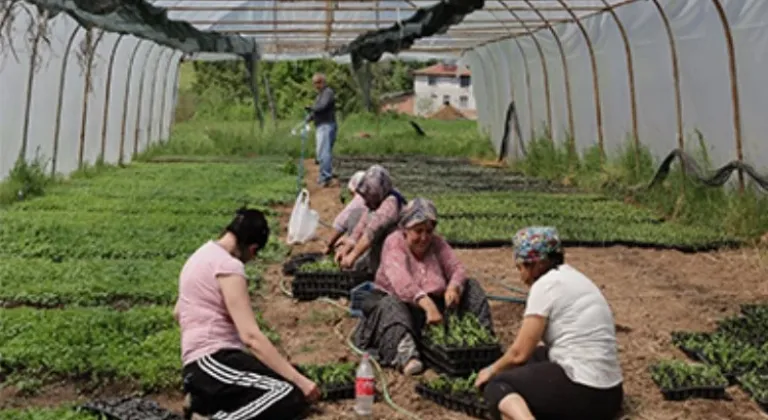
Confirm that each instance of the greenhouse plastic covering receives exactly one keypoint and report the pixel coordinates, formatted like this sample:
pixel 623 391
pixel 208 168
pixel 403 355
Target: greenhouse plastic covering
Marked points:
pixel 696 67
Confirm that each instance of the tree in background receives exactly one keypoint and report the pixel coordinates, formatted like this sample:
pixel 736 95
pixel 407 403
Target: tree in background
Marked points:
pixel 220 90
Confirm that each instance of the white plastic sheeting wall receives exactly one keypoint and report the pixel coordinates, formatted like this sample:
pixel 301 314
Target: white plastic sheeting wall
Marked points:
pixel 154 67
pixel 499 73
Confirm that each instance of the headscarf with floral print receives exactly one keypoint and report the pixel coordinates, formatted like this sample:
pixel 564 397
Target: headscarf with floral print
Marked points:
pixel 355 181
pixel 375 185
pixel 536 243
pixel 418 210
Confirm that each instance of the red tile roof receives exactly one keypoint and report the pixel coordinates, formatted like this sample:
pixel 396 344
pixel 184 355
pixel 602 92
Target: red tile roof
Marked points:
pixel 442 69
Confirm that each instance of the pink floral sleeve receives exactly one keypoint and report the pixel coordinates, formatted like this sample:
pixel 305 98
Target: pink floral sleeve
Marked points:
pixel 387 213
pixel 452 266
pixel 395 270
pixel 341 219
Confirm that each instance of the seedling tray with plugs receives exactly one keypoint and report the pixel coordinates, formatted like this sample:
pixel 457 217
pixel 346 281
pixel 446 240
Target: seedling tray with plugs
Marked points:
pixel 460 361
pixel 466 403
pixel 333 284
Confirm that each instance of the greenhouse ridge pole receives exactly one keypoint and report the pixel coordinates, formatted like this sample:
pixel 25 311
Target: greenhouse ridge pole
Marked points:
pixel 566 74
pixel 631 76
pixel 140 105
pixel 595 84
pixel 127 97
pixel 87 88
pixel 41 24
pixel 735 102
pixel 107 97
pixel 163 102
pixel 675 73
pixel 545 74
pixel 62 84
pixel 153 94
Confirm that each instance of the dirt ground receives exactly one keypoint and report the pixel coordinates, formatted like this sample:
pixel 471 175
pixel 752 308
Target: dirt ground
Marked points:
pixel 651 292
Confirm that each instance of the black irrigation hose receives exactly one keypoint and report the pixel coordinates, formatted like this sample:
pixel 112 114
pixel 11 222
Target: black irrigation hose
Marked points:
pixel 718 178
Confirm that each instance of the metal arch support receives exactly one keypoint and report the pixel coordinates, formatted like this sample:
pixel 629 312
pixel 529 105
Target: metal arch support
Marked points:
pixel 545 71
pixel 675 73
pixel 165 92
pixel 595 83
pixel 137 127
pixel 125 100
pixel 86 85
pixel 30 82
pixel 62 83
pixel 736 103
pixel 107 97
pixel 631 76
pixel 154 93
pixel 566 74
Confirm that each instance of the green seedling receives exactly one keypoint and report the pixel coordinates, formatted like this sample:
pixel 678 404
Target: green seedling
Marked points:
pixel 673 374
pixel 325 265
pixel 464 331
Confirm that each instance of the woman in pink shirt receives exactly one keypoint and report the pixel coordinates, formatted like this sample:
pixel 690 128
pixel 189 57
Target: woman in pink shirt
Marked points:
pixel 418 279
pixel 231 370
pixel 350 216
pixel 362 248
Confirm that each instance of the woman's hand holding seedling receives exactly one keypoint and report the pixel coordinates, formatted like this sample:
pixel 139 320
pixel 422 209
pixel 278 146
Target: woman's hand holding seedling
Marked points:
pixel 433 314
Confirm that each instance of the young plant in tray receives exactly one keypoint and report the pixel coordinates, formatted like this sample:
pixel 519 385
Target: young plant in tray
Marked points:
pixel 457 387
pixel 755 385
pixel 331 376
pixel 732 356
pixel 325 265
pixel 463 331
pixel 748 329
pixel 673 375
pixel 690 342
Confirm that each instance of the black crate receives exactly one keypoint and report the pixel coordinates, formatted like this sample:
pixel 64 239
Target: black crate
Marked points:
pixel 679 394
pixel 309 286
pixel 460 361
pixel 469 405
pixel 291 267
pixel 339 392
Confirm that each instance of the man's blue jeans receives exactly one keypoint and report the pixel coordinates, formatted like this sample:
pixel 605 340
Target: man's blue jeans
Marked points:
pixel 325 137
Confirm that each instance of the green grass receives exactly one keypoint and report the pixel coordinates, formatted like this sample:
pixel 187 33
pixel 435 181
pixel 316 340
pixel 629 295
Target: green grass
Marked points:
pixel 63 413
pixel 387 135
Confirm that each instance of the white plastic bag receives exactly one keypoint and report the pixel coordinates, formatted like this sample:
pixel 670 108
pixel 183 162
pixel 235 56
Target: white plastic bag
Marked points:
pixel 303 224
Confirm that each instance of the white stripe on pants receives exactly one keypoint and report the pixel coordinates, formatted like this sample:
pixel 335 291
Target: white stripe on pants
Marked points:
pixel 275 390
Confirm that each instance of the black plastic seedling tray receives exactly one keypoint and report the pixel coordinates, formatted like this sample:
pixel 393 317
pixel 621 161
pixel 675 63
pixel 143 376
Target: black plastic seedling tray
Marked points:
pixel 460 361
pixel 679 394
pixel 466 404
pixel 291 267
pixel 339 392
pixel 334 284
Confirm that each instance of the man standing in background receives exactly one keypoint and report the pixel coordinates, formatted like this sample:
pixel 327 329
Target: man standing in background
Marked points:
pixel 323 113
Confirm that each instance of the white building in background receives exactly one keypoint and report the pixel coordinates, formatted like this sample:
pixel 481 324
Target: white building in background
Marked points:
pixel 441 84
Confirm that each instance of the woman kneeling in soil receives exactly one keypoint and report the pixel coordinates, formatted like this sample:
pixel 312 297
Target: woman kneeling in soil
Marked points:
pixel 350 216
pixel 362 249
pixel 231 370
pixel 576 375
pixel 419 278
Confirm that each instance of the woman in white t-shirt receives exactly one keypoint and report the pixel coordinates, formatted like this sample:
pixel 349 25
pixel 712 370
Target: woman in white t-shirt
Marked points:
pixel 576 374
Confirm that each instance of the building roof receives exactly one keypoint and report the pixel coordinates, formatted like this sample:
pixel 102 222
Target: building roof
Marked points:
pixel 442 69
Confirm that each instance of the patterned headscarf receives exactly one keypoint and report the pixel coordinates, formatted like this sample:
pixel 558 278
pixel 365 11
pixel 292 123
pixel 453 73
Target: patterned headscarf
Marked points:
pixel 535 243
pixel 375 185
pixel 418 210
pixel 355 181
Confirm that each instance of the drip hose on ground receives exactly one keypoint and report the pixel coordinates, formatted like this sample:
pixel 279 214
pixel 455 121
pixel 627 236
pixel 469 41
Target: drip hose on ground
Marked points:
pixel 348 340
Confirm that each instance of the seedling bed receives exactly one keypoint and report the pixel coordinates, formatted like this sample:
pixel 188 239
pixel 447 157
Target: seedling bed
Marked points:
pixel 291 267
pixel 455 394
pixel 336 380
pixel 755 311
pixel 309 286
pixel 686 249
pixel 757 387
pixel 691 343
pixel 460 346
pixel 679 381
pixel 750 330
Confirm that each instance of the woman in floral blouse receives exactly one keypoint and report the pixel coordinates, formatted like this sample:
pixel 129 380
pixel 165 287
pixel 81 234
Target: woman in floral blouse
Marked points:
pixel 419 277
pixel 362 248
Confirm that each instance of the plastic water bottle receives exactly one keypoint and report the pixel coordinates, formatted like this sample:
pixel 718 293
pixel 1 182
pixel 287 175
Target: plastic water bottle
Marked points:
pixel 365 387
